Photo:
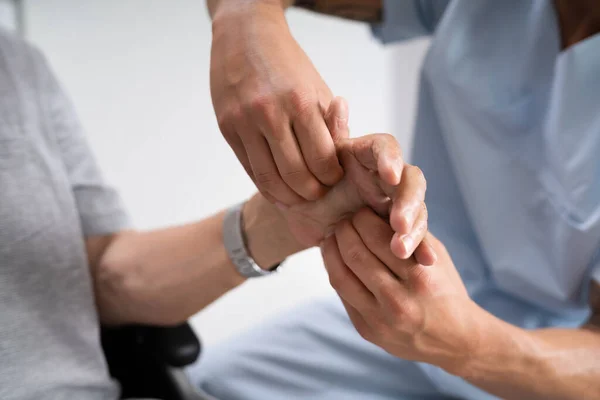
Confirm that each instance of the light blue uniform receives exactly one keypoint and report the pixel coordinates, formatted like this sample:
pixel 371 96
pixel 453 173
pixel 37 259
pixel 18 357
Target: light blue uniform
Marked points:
pixel 508 136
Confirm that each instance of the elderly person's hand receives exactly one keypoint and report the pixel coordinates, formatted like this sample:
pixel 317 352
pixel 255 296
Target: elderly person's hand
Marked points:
pixel 413 311
pixel 375 176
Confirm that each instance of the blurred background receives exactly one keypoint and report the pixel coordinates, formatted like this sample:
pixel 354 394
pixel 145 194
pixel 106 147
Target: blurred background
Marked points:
pixel 137 71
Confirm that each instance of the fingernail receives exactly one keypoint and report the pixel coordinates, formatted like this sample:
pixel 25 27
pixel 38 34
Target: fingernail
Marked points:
pixel 397 171
pixel 281 206
pixel 408 243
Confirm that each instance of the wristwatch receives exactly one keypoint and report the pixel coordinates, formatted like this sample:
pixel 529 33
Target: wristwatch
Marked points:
pixel 235 244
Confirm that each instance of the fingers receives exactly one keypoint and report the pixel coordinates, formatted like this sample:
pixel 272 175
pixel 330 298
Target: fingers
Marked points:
pixel 373 164
pixel 367 267
pixel 380 153
pixel 265 173
pixel 403 246
pixel 234 141
pixel 425 253
pixel 408 200
pixel 317 145
pixel 300 154
pixel 342 279
pixel 292 168
pixel 336 119
pixel 236 144
pixel 358 320
pixel 288 164
pixel 376 234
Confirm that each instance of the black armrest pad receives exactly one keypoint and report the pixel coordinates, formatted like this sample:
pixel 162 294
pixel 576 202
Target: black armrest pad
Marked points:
pixel 177 346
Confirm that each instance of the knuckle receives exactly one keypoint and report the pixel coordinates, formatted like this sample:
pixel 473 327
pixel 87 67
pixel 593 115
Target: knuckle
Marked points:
pixel 301 102
pixel 296 178
pixel 392 141
pixel 389 294
pixel 355 255
pixel 323 163
pixel 302 181
pixel 338 280
pixel 342 227
pixel 224 125
pixel 228 133
pixel 262 104
pixel 361 217
pixel 399 221
pixel 363 330
pixel 403 316
pixel 267 180
pixel 420 278
pixel 229 117
pixel 389 142
pixel 264 110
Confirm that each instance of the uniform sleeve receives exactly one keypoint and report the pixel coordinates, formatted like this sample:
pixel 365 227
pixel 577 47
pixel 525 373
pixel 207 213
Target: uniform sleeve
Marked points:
pixel 99 205
pixel 408 19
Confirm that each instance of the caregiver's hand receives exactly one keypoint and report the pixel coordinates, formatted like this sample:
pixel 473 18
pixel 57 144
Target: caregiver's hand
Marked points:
pixel 270 102
pixel 375 176
pixel 410 310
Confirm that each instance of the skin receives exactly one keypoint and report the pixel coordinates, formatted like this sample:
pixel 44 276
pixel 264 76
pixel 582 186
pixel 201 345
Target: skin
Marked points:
pixel 424 313
pixel 270 101
pixel 412 311
pixel 164 276
pixel 578 20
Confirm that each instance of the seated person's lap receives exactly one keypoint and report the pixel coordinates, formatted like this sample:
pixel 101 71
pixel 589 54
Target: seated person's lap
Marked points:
pixel 310 352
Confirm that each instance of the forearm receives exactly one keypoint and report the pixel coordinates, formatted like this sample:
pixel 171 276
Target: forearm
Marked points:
pixel 358 10
pixel 540 364
pixel 216 6
pixel 165 276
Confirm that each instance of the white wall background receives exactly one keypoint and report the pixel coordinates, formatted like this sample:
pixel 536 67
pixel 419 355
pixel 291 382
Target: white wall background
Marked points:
pixel 9 17
pixel 138 73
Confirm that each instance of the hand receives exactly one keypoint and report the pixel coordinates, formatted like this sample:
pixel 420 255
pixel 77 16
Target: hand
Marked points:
pixel 375 177
pixel 270 103
pixel 414 312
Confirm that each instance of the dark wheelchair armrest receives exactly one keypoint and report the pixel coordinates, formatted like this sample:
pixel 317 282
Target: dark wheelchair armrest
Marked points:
pixel 177 346
pixel 148 361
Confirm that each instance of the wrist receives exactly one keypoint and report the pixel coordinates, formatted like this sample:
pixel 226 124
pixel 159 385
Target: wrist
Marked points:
pixel 268 238
pixel 467 336
pixel 222 10
pixel 496 346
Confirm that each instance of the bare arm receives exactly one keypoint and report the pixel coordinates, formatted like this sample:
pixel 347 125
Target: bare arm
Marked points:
pixel 425 314
pixel 358 10
pixel 540 364
pixel 164 276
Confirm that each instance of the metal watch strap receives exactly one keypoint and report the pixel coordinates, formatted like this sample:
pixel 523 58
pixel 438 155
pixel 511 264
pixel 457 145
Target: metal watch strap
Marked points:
pixel 233 238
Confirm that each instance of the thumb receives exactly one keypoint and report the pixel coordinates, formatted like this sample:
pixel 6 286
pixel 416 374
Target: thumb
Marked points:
pixel 336 119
